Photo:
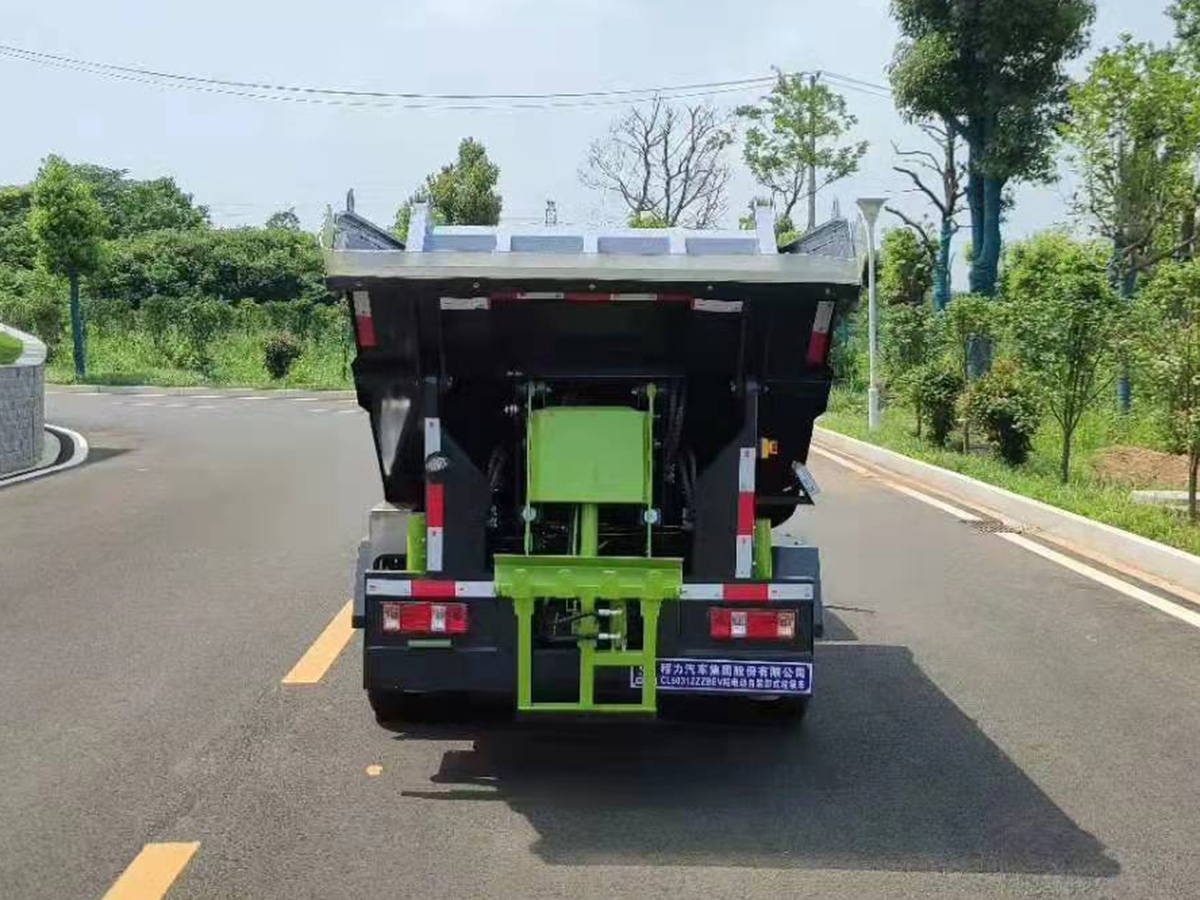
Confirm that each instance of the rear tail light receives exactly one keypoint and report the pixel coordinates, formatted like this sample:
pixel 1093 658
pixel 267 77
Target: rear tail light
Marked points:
pixel 751 624
pixel 425 618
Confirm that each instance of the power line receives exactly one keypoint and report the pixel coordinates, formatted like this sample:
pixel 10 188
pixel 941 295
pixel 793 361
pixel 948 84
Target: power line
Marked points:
pixel 260 90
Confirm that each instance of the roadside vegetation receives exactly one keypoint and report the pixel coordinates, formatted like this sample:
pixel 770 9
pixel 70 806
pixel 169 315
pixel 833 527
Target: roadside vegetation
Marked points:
pixel 1069 371
pixel 10 348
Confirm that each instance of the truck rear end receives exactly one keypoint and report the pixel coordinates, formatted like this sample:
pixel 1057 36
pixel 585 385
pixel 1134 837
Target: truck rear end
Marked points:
pixel 584 444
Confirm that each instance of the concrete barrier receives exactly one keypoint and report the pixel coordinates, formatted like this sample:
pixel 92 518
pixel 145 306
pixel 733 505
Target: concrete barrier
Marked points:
pixel 22 405
pixel 1130 550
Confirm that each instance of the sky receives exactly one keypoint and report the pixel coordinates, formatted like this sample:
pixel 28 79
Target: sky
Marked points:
pixel 245 159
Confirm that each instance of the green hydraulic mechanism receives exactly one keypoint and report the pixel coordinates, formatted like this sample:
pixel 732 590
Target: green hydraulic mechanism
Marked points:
pixel 589 458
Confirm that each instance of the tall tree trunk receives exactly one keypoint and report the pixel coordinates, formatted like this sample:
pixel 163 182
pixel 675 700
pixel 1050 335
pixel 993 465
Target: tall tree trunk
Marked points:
pixel 987 255
pixel 976 205
pixel 1125 379
pixel 1193 514
pixel 941 269
pixel 1187 233
pixel 1065 472
pixel 77 334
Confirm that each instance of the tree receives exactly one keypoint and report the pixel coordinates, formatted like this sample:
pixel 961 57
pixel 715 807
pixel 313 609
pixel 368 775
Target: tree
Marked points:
pixel 906 268
pixel 1169 344
pixel 947 197
pixel 68 226
pixel 460 193
pixel 665 161
pixel 1064 319
pixel 791 142
pixel 1134 129
pixel 17 248
pixel 993 70
pixel 284 220
pixel 134 207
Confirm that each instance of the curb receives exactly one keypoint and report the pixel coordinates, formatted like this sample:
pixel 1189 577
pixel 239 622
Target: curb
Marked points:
pixel 79 455
pixel 191 391
pixel 1131 550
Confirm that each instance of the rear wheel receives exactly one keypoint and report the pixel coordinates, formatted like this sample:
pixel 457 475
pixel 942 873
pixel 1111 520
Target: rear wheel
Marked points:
pixel 391 706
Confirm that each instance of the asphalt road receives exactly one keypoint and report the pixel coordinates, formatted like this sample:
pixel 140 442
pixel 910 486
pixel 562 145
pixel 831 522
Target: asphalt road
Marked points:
pixel 987 723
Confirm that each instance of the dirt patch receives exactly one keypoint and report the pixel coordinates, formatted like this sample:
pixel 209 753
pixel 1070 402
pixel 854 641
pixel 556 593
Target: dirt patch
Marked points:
pixel 1138 467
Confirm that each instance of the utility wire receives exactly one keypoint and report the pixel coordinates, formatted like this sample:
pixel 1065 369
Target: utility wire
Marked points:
pixel 260 89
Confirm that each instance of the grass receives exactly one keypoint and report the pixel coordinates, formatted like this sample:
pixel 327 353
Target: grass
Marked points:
pixel 1085 494
pixel 131 357
pixel 10 348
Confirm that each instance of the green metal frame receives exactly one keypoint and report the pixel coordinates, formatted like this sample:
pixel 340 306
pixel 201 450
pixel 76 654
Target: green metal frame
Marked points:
pixel 620 580
pixel 588 456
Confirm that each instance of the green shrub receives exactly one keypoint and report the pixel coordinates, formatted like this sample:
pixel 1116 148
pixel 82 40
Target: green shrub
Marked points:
pixel 202 321
pixel 33 302
pixel 280 353
pixel 1005 404
pixel 934 389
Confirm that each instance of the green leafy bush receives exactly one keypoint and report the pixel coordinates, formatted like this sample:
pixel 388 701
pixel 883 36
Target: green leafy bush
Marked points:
pixel 203 320
pixel 280 354
pixel 32 301
pixel 934 389
pixel 1005 404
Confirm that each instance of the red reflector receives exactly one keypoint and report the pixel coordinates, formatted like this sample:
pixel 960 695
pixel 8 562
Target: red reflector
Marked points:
pixel 746 592
pixel 429 589
pixel 425 618
pixel 751 624
pixel 366 331
pixel 745 518
pixel 435 505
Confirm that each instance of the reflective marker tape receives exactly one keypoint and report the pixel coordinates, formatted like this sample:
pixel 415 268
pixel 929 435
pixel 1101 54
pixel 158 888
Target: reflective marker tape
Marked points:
pixel 433 436
pixel 388 587
pixel 717 306
pixel 463 304
pixel 746 462
pixel 364 322
pixel 818 343
pixel 433 549
pixel 744 556
pixel 474 589
pixel 733 593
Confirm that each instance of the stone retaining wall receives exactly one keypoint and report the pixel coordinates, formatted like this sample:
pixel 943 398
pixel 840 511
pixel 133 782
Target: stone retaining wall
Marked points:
pixel 22 406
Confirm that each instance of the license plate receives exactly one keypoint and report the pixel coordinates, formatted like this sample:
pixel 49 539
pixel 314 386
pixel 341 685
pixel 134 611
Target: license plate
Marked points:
pixel 729 676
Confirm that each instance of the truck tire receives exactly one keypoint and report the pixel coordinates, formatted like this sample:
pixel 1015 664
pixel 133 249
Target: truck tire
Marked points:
pixel 391 706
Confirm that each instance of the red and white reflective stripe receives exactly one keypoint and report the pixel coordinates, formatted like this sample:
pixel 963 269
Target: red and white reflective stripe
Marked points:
pixel 748 593
pixel 744 557
pixel 583 297
pixel 818 344
pixel 450 304
pixel 364 322
pixel 717 306
pixel 429 589
pixel 435 501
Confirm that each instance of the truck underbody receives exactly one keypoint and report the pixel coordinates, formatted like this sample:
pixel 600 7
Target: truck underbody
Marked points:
pixel 583 455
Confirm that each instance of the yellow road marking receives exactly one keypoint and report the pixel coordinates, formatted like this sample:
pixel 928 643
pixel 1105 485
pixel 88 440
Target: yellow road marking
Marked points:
pixel 325 649
pixel 374 771
pixel 152 872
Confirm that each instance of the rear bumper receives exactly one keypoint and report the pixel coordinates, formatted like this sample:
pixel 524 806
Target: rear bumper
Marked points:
pixel 484 660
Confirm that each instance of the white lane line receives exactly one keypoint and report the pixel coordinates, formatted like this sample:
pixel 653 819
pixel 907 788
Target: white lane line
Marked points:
pixel 1175 610
pixel 317 409
pixel 961 514
pixel 342 412
pixel 148 395
pixel 842 461
pixel 305 399
pixel 206 396
pixel 252 398
pixel 143 404
pixel 203 406
pixel 1191 617
pixel 174 406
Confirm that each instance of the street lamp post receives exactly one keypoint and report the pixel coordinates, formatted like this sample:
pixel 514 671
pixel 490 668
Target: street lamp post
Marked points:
pixel 871 207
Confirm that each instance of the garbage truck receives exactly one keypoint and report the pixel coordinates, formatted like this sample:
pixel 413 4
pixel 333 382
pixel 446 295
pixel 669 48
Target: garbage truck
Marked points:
pixel 585 440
